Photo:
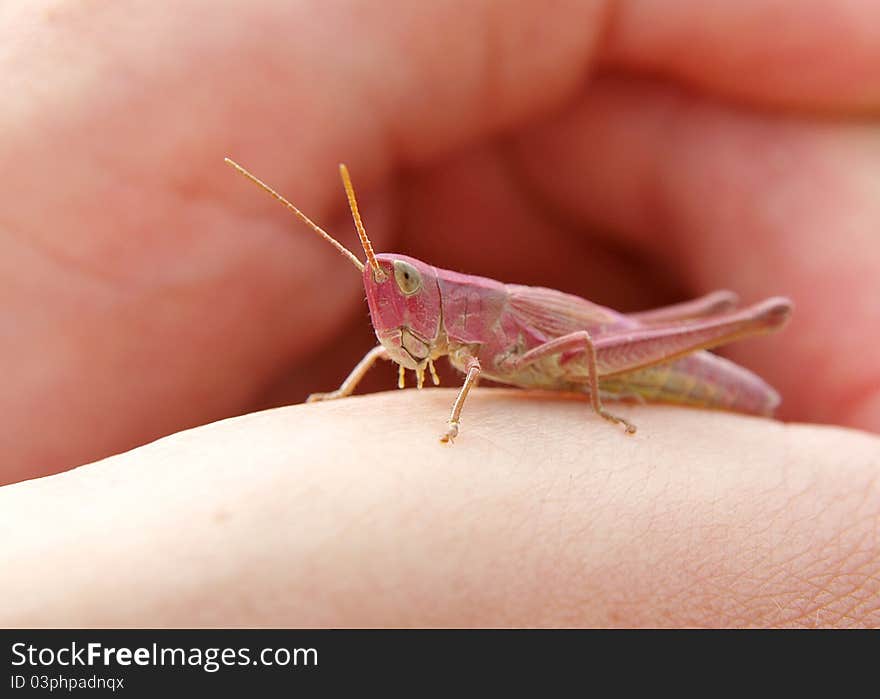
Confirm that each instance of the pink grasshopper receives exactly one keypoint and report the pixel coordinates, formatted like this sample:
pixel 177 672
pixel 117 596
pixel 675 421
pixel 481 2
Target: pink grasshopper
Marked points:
pixel 533 337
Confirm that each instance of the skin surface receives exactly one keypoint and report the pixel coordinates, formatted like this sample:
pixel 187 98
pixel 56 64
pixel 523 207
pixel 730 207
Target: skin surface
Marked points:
pixel 634 153
pixel 537 515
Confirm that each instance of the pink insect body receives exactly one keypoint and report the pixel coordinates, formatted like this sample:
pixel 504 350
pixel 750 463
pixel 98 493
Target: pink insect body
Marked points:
pixel 534 337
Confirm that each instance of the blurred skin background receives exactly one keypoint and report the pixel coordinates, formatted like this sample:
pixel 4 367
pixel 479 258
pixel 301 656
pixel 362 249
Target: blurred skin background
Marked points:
pixel 634 153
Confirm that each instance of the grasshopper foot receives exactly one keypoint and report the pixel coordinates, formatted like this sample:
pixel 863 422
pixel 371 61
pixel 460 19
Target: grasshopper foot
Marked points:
pixel 451 433
pixel 317 397
pixel 628 426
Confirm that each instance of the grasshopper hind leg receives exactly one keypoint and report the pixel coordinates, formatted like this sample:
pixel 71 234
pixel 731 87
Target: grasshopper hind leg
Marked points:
pixel 629 427
pixel 621 395
pixel 579 341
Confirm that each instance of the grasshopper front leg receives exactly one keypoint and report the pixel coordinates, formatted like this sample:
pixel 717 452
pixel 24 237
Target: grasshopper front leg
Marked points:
pixel 354 378
pixel 473 373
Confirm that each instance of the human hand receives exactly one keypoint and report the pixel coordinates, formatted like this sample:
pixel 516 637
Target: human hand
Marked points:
pixel 627 153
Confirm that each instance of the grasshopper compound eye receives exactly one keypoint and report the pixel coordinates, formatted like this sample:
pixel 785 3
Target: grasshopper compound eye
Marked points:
pixel 408 279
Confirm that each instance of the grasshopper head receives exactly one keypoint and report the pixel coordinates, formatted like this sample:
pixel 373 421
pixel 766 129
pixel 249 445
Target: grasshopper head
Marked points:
pixel 404 300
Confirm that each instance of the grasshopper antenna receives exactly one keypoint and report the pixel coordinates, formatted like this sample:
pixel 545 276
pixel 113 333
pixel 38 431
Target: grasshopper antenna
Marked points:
pixel 311 224
pixel 378 274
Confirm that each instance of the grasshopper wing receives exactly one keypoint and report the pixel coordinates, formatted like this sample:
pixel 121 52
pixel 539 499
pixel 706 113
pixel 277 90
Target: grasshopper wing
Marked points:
pixel 548 313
